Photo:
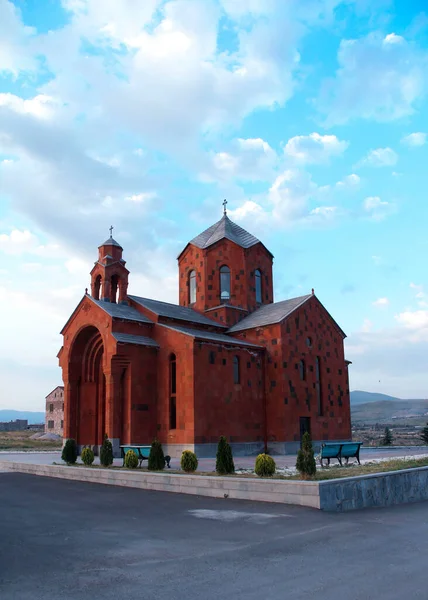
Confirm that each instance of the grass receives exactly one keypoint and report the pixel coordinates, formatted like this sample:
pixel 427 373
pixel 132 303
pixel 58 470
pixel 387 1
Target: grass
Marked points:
pixel 20 440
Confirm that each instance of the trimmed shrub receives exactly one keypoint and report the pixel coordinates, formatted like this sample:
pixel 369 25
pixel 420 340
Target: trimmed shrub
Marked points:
pixel 424 434
pixel 131 460
pixel 305 463
pixel 387 437
pixel 189 461
pixel 224 464
pixel 87 456
pixel 106 452
pixel 69 452
pixel 265 466
pixel 156 457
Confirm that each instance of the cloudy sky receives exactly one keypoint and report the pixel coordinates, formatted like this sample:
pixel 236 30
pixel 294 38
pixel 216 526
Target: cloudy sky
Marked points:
pixel 309 116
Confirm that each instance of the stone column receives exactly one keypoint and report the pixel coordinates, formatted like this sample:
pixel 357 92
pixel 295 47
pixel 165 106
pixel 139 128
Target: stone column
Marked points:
pixel 112 421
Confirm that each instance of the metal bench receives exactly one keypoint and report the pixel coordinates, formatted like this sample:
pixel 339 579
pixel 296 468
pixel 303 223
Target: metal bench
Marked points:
pixel 340 450
pixel 142 452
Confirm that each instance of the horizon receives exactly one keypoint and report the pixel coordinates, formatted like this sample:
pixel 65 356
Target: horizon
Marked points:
pixel 310 121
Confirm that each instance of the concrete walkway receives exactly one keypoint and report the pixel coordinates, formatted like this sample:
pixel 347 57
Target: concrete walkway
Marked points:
pixel 241 462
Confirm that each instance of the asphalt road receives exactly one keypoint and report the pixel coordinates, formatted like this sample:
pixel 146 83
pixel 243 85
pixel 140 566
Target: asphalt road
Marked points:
pixel 63 540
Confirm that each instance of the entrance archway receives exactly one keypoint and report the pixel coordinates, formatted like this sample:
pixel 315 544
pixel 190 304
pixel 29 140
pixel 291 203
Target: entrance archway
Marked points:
pixel 88 401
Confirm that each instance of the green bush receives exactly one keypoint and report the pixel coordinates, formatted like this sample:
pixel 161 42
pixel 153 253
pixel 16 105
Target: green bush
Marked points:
pixel 305 463
pixel 224 464
pixel 424 434
pixel 156 457
pixel 87 456
pixel 189 461
pixel 106 452
pixel 69 452
pixel 387 437
pixel 265 466
pixel 131 460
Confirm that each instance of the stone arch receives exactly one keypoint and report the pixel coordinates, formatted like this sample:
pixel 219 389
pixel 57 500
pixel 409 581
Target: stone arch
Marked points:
pixel 87 388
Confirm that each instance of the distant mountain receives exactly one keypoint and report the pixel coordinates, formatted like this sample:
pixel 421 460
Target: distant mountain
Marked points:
pixel 359 397
pixel 32 417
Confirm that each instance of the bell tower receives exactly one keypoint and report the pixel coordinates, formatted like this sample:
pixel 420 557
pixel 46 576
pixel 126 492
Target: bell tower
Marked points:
pixel 109 276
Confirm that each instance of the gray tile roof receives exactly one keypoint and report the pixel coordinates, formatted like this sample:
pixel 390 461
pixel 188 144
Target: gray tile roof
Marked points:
pixel 225 228
pixel 140 340
pixel 121 311
pixel 110 242
pixel 174 311
pixel 209 336
pixel 269 314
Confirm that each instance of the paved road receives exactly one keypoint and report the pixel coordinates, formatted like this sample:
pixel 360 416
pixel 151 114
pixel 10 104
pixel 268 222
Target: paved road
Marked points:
pixel 64 540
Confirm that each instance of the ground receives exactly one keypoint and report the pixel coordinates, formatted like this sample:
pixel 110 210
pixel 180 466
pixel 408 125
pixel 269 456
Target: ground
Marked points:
pixel 20 440
pixel 70 540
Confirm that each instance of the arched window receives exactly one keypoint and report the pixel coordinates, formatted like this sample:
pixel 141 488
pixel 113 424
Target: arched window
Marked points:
pixel 114 289
pixel 172 392
pixel 224 283
pixel 236 370
pixel 302 370
pixel 192 287
pixel 258 278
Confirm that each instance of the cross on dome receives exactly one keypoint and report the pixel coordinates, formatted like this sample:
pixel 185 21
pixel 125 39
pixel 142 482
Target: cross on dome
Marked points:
pixel 224 206
pixel 111 231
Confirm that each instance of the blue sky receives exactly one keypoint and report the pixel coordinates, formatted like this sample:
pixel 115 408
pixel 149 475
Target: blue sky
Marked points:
pixel 309 117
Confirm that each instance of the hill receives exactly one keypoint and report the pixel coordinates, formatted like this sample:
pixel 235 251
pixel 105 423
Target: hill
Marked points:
pixel 32 417
pixel 360 397
pixel 398 412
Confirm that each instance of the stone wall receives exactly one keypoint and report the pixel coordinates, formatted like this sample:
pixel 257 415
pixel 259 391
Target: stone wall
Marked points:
pixel 54 419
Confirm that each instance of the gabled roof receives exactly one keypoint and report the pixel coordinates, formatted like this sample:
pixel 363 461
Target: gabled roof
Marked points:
pixel 270 314
pixel 140 340
pixel 58 387
pixel 174 311
pixel 209 336
pixel 225 229
pixel 117 311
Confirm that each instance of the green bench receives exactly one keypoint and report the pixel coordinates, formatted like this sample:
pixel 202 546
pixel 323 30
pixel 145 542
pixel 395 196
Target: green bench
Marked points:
pixel 142 453
pixel 340 450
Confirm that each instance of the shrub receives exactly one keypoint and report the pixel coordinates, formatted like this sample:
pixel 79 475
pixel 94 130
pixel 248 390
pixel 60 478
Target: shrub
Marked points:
pixel 87 456
pixel 156 457
pixel 106 452
pixel 387 437
pixel 131 460
pixel 305 463
pixel 424 434
pixel 265 466
pixel 189 461
pixel 224 464
pixel 69 452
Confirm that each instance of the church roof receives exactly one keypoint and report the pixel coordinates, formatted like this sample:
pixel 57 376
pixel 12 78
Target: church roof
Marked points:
pixel 174 311
pixel 110 242
pixel 209 336
pixel 121 311
pixel 270 314
pixel 225 229
pixel 140 340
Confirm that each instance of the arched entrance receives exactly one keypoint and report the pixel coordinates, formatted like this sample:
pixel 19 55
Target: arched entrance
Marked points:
pixel 88 400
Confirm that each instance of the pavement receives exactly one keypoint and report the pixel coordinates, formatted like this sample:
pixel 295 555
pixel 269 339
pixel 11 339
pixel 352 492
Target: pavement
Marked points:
pixel 63 540
pixel 208 464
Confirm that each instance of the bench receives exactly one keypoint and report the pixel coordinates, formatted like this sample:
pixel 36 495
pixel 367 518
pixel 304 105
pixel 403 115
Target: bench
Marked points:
pixel 340 450
pixel 142 452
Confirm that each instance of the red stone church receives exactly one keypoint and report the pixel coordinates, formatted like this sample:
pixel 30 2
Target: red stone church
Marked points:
pixel 227 360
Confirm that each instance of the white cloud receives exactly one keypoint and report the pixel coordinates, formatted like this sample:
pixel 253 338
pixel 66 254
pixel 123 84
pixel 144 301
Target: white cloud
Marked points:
pixel 379 77
pixel 314 148
pixel 380 157
pixel 377 208
pixel 417 320
pixel 41 106
pixel 367 326
pixel 15 41
pixel 141 198
pixel 290 194
pixel 326 212
pixel 247 160
pixel 415 139
pixel 349 181
pixel 381 302
pixel 18 242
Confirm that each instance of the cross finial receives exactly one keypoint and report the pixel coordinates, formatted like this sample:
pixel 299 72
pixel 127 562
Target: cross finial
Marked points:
pixel 111 231
pixel 224 206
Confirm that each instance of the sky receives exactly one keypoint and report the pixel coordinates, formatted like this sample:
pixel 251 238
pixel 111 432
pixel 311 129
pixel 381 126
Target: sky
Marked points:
pixel 309 116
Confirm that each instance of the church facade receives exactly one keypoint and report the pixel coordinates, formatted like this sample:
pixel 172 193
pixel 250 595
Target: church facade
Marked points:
pixel 227 360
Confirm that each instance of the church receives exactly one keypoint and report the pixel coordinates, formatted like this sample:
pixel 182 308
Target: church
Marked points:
pixel 227 360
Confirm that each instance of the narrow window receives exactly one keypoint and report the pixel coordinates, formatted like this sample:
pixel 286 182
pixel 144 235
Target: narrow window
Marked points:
pixel 50 407
pixel 172 392
pixel 236 370
pixel 212 357
pixel 302 370
pixel 50 424
pixel 97 287
pixel 62 424
pixel 258 277
pixel 318 385
pixel 192 287
pixel 224 283
pixel 114 290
